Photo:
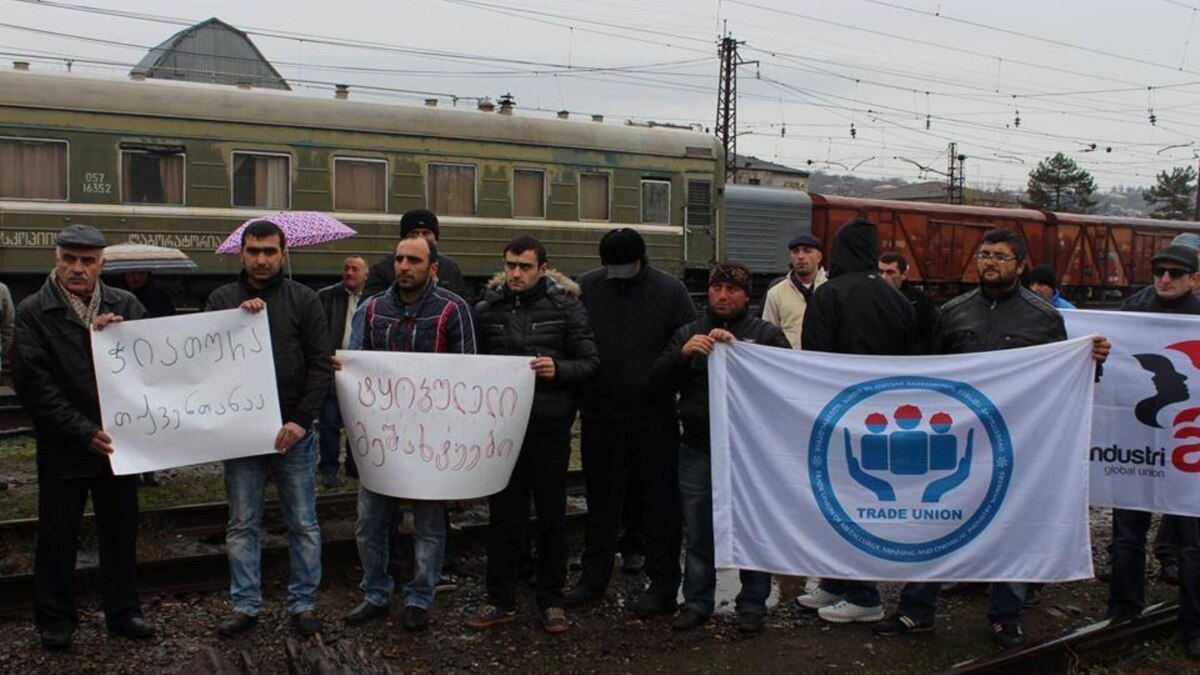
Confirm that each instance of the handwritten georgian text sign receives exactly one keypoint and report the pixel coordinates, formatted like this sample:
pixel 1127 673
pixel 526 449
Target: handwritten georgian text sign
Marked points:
pixel 186 389
pixel 434 426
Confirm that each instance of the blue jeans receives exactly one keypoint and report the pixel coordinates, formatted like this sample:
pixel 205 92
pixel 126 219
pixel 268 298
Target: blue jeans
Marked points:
pixel 699 572
pixel 330 433
pixel 245 484
pixel 429 543
pixel 1127 589
pixel 919 601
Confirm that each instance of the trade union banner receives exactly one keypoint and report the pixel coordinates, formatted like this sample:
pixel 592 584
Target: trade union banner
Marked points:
pixel 935 468
pixel 184 390
pixel 1145 448
pixel 434 426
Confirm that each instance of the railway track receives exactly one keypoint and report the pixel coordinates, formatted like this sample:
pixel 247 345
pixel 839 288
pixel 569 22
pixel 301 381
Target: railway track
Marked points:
pixel 1078 650
pixel 210 572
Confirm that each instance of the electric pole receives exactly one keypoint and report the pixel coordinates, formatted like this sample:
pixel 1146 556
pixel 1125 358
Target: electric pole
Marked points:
pixel 956 175
pixel 727 104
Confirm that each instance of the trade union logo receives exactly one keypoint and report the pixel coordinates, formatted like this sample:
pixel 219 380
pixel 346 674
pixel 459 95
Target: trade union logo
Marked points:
pixel 910 468
pixel 1170 388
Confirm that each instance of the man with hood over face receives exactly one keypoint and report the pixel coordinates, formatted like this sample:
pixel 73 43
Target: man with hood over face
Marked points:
pixel 856 312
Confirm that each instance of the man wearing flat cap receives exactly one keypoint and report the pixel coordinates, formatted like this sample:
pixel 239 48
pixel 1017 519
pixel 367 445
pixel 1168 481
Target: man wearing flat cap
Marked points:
pixel 55 381
pixel 630 439
pixel 683 367
pixel 1175 278
pixel 788 299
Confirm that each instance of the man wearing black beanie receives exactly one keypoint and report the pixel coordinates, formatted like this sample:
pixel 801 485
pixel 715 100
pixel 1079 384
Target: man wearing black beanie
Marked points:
pixel 417 223
pixel 634 308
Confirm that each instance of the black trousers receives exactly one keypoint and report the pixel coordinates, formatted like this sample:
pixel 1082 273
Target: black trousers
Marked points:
pixel 1127 588
pixel 60 512
pixel 609 447
pixel 541 470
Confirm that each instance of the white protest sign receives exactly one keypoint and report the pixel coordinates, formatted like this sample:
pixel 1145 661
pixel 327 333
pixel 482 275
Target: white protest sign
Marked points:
pixel 185 390
pixel 434 426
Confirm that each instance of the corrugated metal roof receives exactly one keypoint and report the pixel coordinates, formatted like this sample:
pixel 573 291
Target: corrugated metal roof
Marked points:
pixel 211 51
pixel 759 223
pixel 754 163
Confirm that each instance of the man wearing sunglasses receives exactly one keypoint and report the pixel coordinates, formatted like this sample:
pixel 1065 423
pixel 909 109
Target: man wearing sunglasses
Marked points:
pixel 1175 278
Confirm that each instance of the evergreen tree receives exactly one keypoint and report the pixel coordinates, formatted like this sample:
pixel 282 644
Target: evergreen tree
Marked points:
pixel 1059 184
pixel 1172 196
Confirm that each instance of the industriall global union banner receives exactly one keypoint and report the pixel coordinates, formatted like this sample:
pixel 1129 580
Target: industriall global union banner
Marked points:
pixel 1145 449
pixel 936 468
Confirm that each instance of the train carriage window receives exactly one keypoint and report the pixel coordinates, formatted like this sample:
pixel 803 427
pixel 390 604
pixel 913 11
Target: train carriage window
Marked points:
pixel 261 180
pixel 593 196
pixel 656 201
pixel 452 189
pixel 529 193
pixel 359 185
pixel 152 177
pixel 33 169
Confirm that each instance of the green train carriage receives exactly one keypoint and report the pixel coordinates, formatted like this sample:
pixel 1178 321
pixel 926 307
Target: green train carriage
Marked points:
pixel 178 164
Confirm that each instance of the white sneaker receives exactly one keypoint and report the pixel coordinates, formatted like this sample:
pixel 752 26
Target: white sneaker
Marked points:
pixel 818 599
pixel 812 584
pixel 848 612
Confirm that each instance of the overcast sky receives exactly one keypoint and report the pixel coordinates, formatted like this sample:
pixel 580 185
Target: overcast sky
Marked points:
pixel 910 76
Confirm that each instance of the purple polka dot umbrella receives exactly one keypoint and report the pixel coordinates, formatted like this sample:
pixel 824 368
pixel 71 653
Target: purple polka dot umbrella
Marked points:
pixel 301 228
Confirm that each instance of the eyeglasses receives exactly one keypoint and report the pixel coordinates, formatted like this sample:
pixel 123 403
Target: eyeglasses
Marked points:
pixel 984 256
pixel 1173 272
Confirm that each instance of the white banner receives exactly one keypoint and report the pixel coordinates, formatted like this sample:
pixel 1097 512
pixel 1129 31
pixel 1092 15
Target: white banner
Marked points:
pixel 434 426
pixel 189 389
pixel 934 468
pixel 1145 449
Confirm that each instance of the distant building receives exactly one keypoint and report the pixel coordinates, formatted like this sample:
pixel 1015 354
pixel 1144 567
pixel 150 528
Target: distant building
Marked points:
pixel 755 171
pixel 212 51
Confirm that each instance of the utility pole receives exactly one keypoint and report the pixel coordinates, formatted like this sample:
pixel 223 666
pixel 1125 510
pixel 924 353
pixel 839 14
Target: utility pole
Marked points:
pixel 727 104
pixel 956 175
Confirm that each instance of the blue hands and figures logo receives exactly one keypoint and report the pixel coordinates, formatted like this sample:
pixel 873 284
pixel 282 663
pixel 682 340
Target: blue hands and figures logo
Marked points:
pixel 951 472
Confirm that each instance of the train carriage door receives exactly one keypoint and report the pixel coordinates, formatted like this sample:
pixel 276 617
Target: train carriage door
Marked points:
pixel 700 246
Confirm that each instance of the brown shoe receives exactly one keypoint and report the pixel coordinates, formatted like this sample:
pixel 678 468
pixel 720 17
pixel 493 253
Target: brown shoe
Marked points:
pixel 554 620
pixel 490 615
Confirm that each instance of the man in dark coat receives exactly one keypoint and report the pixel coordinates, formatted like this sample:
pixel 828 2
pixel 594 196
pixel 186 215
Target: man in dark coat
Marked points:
pixel 893 266
pixel 303 375
pixel 857 311
pixel 339 301
pixel 531 311
pixel 1175 278
pixel 683 367
pixel 417 223
pixel 634 308
pixel 55 381
pixel 999 314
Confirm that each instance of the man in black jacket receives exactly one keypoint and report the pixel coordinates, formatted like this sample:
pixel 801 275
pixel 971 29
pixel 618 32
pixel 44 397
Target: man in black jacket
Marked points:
pixel 303 375
pixel 339 301
pixel 530 312
pixel 634 308
pixel 857 311
pixel 1175 278
pixel 999 314
pixel 683 367
pixel 893 266
pixel 418 223
pixel 55 381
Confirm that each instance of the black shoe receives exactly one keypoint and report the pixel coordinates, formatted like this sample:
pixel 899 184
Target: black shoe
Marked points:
pixel 306 623
pixel 1008 635
pixel 898 624
pixel 1193 647
pixel 579 595
pixel 653 603
pixel 632 563
pixel 416 619
pixel 134 627
pixel 236 624
pixel 1168 573
pixel 689 619
pixel 749 623
pixel 364 612
pixel 56 639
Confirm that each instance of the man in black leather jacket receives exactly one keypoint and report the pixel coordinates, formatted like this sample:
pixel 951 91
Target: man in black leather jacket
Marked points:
pixel 999 314
pixel 683 367
pixel 531 311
